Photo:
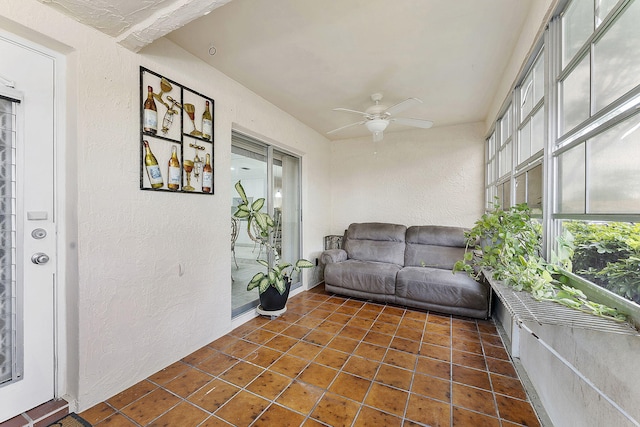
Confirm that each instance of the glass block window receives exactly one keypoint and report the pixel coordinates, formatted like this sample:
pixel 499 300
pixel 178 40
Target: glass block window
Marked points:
pixel 8 303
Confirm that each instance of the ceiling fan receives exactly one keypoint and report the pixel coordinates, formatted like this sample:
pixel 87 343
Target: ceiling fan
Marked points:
pixel 378 116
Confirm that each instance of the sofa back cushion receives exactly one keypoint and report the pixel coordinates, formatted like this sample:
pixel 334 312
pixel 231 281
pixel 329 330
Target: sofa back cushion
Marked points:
pixel 375 241
pixel 434 246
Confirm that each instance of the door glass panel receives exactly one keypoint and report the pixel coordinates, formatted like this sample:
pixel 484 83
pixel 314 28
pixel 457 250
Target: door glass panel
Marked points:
pixel 616 70
pixel 286 202
pixel 279 184
pixel 9 304
pixel 613 167
pixel 249 165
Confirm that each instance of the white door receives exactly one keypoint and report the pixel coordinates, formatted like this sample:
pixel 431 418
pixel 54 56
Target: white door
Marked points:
pixel 27 227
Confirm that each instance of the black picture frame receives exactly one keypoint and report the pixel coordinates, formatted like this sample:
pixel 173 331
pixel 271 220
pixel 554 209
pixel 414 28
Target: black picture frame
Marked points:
pixel 175 127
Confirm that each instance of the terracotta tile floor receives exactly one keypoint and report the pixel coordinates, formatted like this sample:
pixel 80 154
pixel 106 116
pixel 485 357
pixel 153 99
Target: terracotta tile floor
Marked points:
pixel 334 361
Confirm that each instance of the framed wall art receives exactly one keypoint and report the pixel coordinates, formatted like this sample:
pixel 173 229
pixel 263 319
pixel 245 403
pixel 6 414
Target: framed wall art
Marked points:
pixel 176 136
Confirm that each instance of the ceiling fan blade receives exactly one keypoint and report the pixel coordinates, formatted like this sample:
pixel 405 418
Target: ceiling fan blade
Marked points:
pixel 352 111
pixel 401 106
pixel 418 123
pixel 346 126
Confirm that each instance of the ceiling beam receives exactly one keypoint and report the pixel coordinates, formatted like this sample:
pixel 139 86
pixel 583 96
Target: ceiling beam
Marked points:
pixel 165 20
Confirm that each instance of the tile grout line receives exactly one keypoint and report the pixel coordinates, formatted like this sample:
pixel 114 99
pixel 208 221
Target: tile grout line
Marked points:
pixel 301 339
pixel 374 375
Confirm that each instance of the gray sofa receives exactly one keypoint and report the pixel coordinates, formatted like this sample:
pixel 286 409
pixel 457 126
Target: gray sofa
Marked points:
pixel 406 266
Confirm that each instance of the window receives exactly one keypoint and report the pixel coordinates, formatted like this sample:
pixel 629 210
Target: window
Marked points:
pixel 490 175
pixel 598 174
pixel 531 123
pixel 590 137
pixel 514 159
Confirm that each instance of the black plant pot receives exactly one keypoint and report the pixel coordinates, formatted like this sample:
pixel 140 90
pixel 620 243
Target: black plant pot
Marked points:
pixel 271 300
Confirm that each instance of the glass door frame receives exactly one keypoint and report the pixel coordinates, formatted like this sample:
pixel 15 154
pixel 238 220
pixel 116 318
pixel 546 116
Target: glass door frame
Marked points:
pixel 272 150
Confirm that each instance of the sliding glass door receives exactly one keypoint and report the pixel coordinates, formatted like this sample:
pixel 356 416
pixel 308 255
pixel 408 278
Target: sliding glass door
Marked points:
pixel 268 172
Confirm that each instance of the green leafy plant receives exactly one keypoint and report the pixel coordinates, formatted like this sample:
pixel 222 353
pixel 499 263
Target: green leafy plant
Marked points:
pixel 280 273
pixel 607 254
pixel 507 243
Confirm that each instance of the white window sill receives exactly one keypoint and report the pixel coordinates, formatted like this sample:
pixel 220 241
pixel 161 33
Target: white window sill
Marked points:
pixel 524 308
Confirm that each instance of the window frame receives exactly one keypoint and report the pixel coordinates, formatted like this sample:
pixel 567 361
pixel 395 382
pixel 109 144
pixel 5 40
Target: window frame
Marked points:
pixel 549 48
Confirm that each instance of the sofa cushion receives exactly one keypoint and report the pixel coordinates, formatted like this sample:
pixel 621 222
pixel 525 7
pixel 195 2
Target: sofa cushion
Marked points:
pixel 379 242
pixel 333 255
pixel 442 287
pixel 434 246
pixel 366 276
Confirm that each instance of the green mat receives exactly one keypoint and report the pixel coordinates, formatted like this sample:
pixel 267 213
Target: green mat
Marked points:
pixel 71 420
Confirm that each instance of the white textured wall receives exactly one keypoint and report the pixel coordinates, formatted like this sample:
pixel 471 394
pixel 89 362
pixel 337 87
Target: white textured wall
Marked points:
pixel 135 313
pixel 418 177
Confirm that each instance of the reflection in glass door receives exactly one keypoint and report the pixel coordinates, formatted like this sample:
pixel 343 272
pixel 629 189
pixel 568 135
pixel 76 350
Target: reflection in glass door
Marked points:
pixel 279 185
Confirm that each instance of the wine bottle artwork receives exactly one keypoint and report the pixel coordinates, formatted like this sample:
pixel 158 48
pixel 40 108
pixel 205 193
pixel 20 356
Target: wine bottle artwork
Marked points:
pixel 207 122
pixel 187 165
pixel 167 121
pixel 207 175
pixel 150 113
pixel 175 156
pixel 197 166
pixel 153 170
pixel 173 180
pixel 197 161
pixel 191 112
pixel 165 86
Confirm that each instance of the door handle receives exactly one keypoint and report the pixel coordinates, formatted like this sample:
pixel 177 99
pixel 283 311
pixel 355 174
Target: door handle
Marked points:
pixel 40 258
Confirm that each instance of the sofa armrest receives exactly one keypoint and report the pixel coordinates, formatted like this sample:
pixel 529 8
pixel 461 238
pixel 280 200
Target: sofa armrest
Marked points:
pixel 333 255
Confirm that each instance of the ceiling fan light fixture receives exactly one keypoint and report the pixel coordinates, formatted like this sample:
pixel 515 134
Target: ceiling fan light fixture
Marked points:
pixel 376 127
pixel 377 117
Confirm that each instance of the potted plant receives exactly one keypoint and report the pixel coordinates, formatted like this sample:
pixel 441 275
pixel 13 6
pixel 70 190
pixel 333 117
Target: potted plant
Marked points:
pixel 507 243
pixel 274 283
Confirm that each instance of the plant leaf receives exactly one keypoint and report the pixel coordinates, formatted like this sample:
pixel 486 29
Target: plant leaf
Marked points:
pixel 264 285
pixel 241 192
pixel 241 214
pixel 280 286
pixel 261 220
pixel 255 281
pixel 303 263
pixel 257 204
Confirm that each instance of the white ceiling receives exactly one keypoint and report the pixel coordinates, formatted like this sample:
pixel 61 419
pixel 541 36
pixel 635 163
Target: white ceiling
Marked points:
pixel 310 56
